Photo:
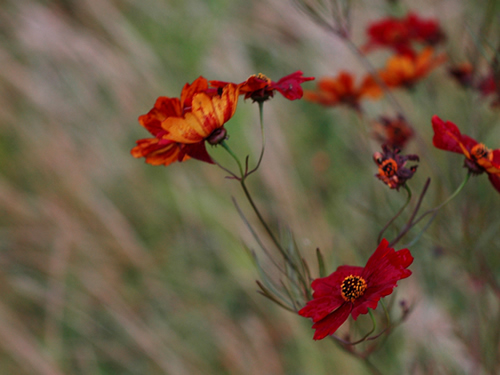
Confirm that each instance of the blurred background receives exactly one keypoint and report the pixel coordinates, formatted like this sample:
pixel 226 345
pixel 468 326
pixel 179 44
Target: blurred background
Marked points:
pixel 112 266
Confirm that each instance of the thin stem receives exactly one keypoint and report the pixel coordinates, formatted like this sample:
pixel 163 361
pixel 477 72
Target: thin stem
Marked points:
pixel 455 193
pixel 261 119
pixel 226 147
pixel 408 199
pixel 409 224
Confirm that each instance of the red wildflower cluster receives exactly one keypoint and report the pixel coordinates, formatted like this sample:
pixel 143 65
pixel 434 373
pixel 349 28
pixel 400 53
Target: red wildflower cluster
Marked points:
pixel 478 158
pixel 399 34
pixel 341 90
pixel 181 126
pixel 260 88
pixel 352 290
pixel 392 167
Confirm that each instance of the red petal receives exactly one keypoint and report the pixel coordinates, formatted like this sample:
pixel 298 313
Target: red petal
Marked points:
pixel 447 137
pixel 326 286
pixel 495 181
pixel 289 86
pixel 319 308
pixel 332 322
pixel 198 151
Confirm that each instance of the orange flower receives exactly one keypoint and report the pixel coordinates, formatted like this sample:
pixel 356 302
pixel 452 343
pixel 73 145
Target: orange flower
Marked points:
pixel 341 90
pixel 404 70
pixel 181 126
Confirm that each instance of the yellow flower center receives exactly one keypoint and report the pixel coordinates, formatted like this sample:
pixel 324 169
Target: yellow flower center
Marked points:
pixel 353 287
pixel 263 77
pixel 480 151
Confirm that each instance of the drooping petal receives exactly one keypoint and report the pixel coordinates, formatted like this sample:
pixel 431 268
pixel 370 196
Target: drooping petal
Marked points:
pixel 332 322
pixel 289 86
pixel 164 107
pixel 158 151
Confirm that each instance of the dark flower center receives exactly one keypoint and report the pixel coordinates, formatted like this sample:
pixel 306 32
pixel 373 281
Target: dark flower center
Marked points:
pixel 352 288
pixel 217 136
pixel 389 167
pixel 479 151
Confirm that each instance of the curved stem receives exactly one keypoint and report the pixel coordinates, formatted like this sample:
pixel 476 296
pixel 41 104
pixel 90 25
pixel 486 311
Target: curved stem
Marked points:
pixel 408 198
pixel 455 193
pixel 261 119
pixel 409 224
pixel 226 147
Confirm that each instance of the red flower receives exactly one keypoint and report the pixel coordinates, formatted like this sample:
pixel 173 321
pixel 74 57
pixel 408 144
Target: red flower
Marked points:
pixel 352 290
pixel 181 127
pixel 393 132
pixel 478 158
pixel 260 88
pixel 392 167
pixel 341 90
pixel 491 85
pixel 399 33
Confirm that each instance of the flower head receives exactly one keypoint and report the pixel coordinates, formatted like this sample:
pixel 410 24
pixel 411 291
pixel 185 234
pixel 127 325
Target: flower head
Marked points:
pixel 400 33
pixel 393 132
pixel 405 71
pixel 260 88
pixel 351 290
pixel 478 158
pixel 392 167
pixel 341 90
pixel 463 73
pixel 181 126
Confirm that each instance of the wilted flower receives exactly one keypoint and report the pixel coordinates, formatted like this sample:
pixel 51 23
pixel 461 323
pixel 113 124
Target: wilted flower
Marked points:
pixel 341 90
pixel 478 158
pixel 181 126
pixel 260 88
pixel 405 71
pixel 399 34
pixel 391 167
pixel 463 73
pixel 352 290
pixel 393 132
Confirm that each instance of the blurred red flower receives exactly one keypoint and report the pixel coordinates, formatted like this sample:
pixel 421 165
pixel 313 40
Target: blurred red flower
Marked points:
pixel 478 158
pixel 399 33
pixel 392 167
pixel 351 290
pixel 341 90
pixel 181 126
pixel 393 132
pixel 260 88
pixel 405 71
pixel 490 85
pixel 463 73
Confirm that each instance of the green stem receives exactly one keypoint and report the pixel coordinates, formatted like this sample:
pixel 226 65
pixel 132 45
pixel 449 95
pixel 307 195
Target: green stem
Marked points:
pixel 226 147
pixel 397 215
pixel 455 193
